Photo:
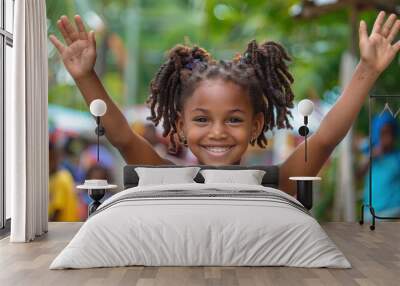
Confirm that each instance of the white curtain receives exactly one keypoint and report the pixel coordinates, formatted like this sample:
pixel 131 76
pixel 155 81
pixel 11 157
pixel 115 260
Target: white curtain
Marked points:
pixel 26 124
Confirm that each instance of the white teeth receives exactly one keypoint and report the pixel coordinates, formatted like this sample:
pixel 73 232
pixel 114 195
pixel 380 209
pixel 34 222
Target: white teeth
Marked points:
pixel 218 149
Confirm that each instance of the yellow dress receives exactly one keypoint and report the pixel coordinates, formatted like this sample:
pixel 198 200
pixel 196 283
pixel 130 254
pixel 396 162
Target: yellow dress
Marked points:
pixel 62 197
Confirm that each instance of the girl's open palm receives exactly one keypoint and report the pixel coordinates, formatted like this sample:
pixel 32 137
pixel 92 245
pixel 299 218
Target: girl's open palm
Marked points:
pixel 378 49
pixel 79 53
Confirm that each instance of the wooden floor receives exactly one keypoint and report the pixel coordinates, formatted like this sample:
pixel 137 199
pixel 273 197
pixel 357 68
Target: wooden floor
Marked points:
pixel 374 255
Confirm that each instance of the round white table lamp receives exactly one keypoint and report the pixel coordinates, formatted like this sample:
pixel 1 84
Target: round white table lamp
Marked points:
pixel 98 107
pixel 305 107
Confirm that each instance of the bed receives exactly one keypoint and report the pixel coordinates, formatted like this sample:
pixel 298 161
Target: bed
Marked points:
pixel 201 224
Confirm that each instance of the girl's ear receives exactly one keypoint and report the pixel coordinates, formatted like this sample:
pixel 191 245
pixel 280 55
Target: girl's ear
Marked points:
pixel 258 124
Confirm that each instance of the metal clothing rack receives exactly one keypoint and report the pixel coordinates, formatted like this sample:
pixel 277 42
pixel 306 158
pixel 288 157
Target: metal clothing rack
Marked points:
pixel 370 203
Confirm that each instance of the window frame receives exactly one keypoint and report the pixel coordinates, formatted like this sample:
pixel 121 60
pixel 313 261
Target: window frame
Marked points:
pixel 6 39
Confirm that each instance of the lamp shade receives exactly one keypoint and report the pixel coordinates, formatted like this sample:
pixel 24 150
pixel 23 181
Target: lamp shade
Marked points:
pixel 305 107
pixel 98 107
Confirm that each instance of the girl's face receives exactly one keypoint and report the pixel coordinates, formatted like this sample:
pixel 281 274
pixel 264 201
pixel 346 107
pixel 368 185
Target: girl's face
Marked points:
pixel 218 122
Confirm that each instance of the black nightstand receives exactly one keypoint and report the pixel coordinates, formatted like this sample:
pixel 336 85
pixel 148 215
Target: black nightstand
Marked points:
pixel 304 190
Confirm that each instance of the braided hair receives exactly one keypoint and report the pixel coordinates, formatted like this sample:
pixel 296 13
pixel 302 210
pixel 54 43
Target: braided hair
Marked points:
pixel 261 71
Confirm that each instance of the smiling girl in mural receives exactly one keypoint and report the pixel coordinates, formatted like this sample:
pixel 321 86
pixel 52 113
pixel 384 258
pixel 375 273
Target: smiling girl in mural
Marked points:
pixel 217 108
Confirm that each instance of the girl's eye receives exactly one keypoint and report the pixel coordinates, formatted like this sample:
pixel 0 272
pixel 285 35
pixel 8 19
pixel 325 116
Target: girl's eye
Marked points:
pixel 235 120
pixel 200 119
pixel 231 120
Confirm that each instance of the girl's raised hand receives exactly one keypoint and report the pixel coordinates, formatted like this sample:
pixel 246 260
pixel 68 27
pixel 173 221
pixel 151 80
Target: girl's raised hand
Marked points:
pixel 378 50
pixel 79 53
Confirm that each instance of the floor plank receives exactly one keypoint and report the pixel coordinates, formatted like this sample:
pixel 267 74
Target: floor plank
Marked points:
pixel 374 255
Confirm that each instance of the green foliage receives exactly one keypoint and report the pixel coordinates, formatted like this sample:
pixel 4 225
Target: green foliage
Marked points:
pixel 150 28
pixel 113 83
pixel 66 95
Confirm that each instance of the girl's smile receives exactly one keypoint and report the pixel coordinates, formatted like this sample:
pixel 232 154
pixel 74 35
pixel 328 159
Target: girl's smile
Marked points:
pixel 218 122
pixel 217 151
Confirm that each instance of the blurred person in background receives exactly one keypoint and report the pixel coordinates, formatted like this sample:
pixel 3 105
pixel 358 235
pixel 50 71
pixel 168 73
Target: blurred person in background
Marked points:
pixel 63 201
pixel 385 167
pixel 88 158
pixel 72 150
pixel 99 172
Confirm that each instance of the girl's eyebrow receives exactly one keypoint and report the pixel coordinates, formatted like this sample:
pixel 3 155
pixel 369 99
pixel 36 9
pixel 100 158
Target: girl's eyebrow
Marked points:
pixel 206 111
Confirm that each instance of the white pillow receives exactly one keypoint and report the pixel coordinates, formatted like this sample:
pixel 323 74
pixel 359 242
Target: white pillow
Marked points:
pixel 162 176
pixel 249 177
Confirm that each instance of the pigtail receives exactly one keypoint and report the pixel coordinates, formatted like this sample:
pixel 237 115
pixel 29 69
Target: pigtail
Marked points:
pixel 268 61
pixel 167 85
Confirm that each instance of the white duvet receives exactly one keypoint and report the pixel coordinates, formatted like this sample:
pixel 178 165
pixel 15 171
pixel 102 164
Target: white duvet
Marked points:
pixel 138 227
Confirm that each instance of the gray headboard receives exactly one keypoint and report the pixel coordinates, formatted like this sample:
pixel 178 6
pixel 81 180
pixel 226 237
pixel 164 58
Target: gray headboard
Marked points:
pixel 270 179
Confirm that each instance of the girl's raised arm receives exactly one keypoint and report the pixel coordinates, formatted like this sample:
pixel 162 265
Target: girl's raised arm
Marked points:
pixel 377 51
pixel 79 57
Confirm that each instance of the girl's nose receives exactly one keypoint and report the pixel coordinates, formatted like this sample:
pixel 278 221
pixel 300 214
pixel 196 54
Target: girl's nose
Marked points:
pixel 218 131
